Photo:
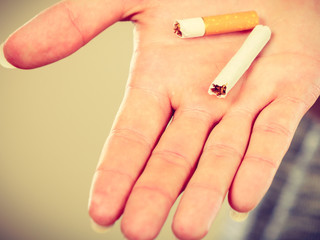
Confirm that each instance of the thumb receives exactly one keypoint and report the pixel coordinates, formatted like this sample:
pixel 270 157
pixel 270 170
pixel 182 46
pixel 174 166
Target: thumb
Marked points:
pixel 61 30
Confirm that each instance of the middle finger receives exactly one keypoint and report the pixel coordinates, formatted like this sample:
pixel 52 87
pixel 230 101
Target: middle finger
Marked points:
pixel 168 169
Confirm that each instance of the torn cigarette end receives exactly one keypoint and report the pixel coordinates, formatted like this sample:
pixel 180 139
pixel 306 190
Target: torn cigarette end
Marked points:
pixel 218 90
pixel 240 62
pixel 203 26
pixel 177 29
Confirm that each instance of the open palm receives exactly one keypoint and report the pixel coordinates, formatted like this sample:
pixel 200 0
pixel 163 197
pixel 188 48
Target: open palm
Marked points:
pixel 211 146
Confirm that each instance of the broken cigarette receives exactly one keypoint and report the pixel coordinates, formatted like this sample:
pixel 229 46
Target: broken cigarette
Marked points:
pixel 202 26
pixel 240 62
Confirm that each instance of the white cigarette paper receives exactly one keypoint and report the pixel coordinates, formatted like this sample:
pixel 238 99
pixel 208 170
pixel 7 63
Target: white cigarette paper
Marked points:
pixel 191 27
pixel 240 62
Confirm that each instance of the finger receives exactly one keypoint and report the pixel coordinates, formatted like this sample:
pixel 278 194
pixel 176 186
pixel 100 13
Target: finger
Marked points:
pixel 219 161
pixel 271 136
pixel 61 30
pixel 141 119
pixel 168 169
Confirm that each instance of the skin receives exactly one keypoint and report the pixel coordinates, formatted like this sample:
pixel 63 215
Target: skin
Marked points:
pixel 211 146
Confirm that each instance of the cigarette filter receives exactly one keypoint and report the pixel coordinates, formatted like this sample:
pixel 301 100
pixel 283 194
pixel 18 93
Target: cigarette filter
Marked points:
pixel 240 62
pixel 201 26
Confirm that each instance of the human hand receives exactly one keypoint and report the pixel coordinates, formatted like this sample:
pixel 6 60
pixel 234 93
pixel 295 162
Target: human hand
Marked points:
pixel 212 145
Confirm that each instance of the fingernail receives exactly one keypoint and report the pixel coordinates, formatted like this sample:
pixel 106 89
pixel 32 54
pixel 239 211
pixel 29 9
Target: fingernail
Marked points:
pixel 238 216
pixel 98 228
pixel 3 61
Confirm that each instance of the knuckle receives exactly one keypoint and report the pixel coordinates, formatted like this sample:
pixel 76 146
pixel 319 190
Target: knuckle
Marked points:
pixel 73 20
pixel 115 172
pixel 274 128
pixel 131 135
pixel 296 102
pixel 270 162
pixel 222 150
pixel 159 190
pixel 242 112
pixel 218 191
pixel 197 113
pixel 174 158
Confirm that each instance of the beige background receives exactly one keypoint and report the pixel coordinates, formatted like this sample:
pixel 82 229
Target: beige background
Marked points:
pixel 53 123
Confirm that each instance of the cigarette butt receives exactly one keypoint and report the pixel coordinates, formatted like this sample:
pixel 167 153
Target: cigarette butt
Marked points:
pixel 240 62
pixel 238 216
pixel 203 26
